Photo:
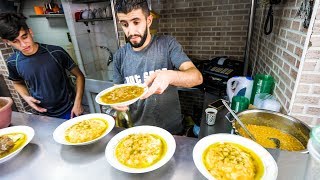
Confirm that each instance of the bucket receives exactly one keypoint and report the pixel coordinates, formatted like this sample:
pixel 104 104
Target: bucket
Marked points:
pixel 5 111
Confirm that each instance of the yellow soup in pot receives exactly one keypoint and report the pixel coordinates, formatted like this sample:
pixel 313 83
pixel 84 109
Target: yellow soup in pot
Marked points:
pixel 264 135
pixel 230 161
pixel 122 94
pixel 140 150
pixel 11 142
pixel 86 130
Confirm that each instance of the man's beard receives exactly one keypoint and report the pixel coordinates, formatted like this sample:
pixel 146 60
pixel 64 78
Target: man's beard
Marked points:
pixel 143 39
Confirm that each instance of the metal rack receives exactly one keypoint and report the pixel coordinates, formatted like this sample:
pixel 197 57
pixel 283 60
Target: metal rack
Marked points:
pixel 86 21
pixel 48 16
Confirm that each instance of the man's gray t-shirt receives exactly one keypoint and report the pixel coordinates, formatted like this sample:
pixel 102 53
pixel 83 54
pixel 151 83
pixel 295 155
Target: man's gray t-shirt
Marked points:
pixel 163 53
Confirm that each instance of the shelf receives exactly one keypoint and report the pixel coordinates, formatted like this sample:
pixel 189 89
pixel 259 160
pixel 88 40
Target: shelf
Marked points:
pixel 86 21
pixel 87 1
pixel 48 16
pixel 96 19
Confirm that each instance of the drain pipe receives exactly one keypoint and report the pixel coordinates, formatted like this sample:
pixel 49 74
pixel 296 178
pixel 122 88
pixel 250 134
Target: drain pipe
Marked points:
pixel 249 36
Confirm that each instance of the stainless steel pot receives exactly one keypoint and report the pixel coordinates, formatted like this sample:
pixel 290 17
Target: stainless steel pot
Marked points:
pixel 285 123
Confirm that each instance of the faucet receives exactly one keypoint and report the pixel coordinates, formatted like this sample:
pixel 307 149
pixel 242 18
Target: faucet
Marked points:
pixel 110 59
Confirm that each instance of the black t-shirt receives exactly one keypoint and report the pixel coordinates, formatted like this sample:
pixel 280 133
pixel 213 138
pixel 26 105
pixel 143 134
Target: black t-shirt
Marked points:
pixel 45 77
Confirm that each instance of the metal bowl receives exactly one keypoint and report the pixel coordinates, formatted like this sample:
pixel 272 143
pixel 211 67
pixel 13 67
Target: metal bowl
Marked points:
pixel 284 123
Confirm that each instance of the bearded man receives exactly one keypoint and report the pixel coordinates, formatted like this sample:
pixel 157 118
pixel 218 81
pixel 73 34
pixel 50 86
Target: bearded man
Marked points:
pixel 157 61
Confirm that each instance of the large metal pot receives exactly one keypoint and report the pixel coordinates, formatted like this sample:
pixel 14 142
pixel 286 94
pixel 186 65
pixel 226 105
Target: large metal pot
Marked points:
pixel 285 123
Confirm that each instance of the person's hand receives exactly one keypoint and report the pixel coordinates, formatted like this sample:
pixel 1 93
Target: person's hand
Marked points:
pixel 120 108
pixel 77 110
pixel 159 82
pixel 33 103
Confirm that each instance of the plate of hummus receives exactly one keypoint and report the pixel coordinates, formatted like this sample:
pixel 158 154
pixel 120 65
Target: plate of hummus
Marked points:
pixel 227 156
pixel 83 130
pixel 122 94
pixel 140 149
pixel 13 140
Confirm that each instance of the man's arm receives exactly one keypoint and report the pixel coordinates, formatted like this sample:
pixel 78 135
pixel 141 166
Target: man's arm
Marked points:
pixel 21 88
pixel 77 107
pixel 188 76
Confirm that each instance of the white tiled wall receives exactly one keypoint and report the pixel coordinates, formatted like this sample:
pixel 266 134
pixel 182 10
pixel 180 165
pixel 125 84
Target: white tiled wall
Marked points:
pixel 102 33
pixel 49 31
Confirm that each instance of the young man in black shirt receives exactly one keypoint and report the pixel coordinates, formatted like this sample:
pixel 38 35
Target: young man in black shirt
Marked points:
pixel 38 71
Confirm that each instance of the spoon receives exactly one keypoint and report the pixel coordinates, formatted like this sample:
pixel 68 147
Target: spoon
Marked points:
pixel 239 121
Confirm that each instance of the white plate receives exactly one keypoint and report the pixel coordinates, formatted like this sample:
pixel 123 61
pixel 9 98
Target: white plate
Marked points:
pixel 28 131
pixel 59 132
pixel 126 103
pixel 110 149
pixel 270 165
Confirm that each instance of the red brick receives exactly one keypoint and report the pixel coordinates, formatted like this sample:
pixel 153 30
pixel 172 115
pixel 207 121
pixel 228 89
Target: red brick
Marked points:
pixel 313 110
pixel 303 88
pixel 307 100
pixel 310 78
pixel 293 73
pixel 295 25
pixel 297 109
pixel 289 58
pixel 298 51
pixel 309 66
pixel 2 45
pixel 316 89
pixel 290 47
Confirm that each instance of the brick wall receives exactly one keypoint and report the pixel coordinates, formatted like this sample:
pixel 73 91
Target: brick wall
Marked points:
pixel 5 52
pixel 205 28
pixel 279 54
pixel 306 105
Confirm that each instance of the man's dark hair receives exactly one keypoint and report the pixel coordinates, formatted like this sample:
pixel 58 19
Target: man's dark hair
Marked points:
pixel 11 24
pixel 126 6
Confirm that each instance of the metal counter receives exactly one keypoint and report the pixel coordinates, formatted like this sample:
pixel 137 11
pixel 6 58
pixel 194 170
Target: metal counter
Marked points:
pixel 44 159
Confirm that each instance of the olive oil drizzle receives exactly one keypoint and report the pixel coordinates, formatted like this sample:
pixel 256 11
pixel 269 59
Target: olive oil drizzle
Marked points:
pixel 20 142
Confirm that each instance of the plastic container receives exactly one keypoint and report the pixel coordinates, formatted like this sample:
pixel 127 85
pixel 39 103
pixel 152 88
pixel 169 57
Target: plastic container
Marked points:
pixel 239 103
pixel 5 111
pixel 267 102
pixel 262 84
pixel 315 137
pixel 313 165
pixel 38 10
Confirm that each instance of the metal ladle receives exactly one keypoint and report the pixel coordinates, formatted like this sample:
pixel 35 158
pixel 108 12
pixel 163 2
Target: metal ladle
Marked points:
pixel 276 141
pixel 239 121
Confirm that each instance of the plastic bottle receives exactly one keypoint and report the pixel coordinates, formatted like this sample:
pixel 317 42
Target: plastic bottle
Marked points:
pixel 239 86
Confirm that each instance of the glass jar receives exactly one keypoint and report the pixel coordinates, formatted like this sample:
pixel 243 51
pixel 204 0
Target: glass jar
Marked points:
pixel 123 119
